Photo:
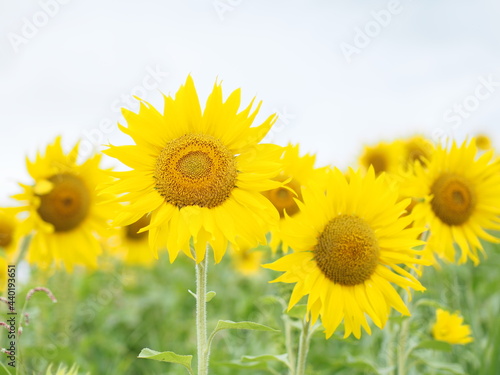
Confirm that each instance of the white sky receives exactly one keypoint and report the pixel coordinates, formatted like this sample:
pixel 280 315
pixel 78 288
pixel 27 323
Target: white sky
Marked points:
pixel 72 72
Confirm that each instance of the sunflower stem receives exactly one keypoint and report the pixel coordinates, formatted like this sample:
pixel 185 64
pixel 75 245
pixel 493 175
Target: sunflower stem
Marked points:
pixel 289 344
pixel 201 316
pixel 305 339
pixel 402 353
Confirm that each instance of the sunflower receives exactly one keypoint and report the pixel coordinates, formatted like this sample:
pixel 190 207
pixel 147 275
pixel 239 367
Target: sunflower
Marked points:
pixel 450 328
pixel 131 246
pixel 483 142
pixel 349 246
pixel 416 149
pixel 459 200
pixel 383 157
pixel 297 172
pixel 9 232
pixel 247 261
pixel 200 174
pixel 66 216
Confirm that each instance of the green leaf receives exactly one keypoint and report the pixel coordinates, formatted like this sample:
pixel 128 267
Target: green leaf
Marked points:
pixel 283 358
pixel 210 295
pixel 434 345
pixel 431 303
pixel 171 357
pixel 453 368
pixel 228 324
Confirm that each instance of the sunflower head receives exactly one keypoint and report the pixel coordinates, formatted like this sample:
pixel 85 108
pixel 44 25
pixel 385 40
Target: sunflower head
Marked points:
pixel 483 142
pixel 383 157
pixel 247 261
pixel 130 243
pixel 458 197
pixel 65 213
pixel 348 247
pixel 9 231
pixel 198 173
pixel 449 328
pixel 417 149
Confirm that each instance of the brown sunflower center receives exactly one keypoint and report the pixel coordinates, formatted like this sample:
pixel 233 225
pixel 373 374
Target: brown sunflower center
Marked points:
pixel 132 229
pixel 378 160
pixel 283 199
pixel 195 169
pixel 453 199
pixel 67 204
pixel 6 231
pixel 347 251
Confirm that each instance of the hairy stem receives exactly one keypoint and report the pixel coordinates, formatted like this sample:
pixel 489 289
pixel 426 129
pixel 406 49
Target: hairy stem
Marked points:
pixel 201 316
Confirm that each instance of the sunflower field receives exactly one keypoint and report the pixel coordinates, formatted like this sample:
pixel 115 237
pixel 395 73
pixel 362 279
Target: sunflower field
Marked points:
pixel 216 253
pixel 231 187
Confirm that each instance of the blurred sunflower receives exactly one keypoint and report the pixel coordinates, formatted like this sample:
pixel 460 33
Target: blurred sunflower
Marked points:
pixel 247 261
pixel 65 214
pixel 483 142
pixel 459 197
pixel 416 149
pixel 199 174
pixel 349 245
pixel 9 232
pixel 297 172
pixel 450 328
pixel 130 245
pixel 383 157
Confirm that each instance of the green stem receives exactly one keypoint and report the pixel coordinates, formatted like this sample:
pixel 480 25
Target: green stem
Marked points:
pixel 305 339
pixel 289 344
pixel 402 354
pixel 201 316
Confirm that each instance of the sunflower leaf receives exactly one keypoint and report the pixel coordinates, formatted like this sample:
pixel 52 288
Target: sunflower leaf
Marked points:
pixel 283 358
pixel 228 324
pixel 434 345
pixel 171 357
pixel 210 295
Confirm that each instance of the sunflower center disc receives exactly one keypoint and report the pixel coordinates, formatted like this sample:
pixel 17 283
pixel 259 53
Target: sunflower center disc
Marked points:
pixel 5 234
pixel 132 229
pixel 195 170
pixel 283 199
pixel 67 204
pixel 454 200
pixel 379 162
pixel 347 251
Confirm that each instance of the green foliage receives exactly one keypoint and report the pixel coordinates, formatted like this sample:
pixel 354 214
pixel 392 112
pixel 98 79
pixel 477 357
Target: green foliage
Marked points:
pixel 184 360
pixel 103 319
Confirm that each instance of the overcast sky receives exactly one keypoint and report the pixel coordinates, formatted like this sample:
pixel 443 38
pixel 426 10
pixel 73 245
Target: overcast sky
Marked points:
pixel 340 73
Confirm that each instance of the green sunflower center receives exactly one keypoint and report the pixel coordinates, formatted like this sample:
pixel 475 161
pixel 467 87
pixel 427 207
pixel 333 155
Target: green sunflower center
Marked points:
pixel 195 170
pixel 347 251
pixel 6 231
pixel 132 229
pixel 283 199
pixel 67 204
pixel 453 199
